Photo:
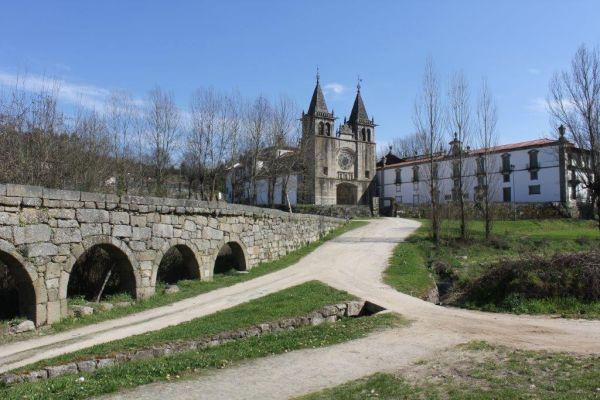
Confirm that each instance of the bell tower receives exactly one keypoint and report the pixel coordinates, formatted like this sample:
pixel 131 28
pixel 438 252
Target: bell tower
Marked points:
pixel 317 130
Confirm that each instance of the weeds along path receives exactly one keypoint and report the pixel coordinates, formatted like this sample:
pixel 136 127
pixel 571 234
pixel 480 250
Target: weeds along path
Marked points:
pixel 353 262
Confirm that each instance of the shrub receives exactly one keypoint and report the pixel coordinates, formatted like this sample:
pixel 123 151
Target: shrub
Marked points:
pixel 574 275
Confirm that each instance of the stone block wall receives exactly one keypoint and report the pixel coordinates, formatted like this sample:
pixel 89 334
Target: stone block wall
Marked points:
pixel 44 231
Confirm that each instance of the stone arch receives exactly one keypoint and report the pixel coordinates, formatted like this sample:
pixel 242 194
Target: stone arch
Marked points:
pixel 345 194
pixel 328 129
pixel 231 251
pixel 187 266
pixel 19 287
pixel 321 128
pixel 190 244
pixel 129 277
pixel 368 135
pixel 363 135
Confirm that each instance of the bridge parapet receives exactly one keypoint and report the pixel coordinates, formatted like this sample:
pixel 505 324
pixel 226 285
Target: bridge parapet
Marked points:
pixel 45 232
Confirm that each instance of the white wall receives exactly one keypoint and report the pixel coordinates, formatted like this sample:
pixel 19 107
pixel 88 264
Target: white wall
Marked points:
pixel 520 179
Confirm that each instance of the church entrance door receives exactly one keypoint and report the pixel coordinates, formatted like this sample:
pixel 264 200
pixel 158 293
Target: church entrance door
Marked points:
pixel 346 194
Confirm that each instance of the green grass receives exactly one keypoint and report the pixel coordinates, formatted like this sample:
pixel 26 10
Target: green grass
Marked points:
pixel 409 270
pixel 189 288
pixel 189 364
pixel 292 302
pixel 487 372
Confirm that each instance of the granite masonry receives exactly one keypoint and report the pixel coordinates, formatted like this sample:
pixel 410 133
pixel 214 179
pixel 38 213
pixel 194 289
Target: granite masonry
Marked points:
pixel 43 232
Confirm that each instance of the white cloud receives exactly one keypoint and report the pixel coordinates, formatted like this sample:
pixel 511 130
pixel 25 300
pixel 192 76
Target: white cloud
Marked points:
pixel 87 96
pixel 539 104
pixel 336 88
pixel 534 71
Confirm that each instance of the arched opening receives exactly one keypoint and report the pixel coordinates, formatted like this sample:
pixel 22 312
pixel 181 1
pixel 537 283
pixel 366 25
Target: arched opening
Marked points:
pixel 17 295
pixel 178 263
pixel 230 258
pixel 328 129
pixel 103 270
pixel 321 128
pixel 363 134
pixel 368 135
pixel 346 194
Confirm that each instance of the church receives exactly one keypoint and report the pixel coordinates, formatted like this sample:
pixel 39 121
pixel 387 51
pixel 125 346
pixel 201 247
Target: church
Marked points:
pixel 338 166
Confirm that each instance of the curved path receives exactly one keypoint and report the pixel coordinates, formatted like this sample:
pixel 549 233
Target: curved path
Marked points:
pixel 352 262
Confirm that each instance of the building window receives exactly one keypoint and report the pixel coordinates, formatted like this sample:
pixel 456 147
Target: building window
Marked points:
pixel 533 159
pixel 506 195
pixel 534 189
pixel 321 128
pixel 415 174
pixel 506 177
pixel 506 162
pixel 328 129
pixel 368 135
pixel 325 171
pixel 481 165
pixel 415 199
pixel 367 174
pixel 363 134
pixel 533 175
pixel 398 176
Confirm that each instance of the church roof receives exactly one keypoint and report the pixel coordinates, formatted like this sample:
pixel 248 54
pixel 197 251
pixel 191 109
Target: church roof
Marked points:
pixel 317 103
pixel 359 112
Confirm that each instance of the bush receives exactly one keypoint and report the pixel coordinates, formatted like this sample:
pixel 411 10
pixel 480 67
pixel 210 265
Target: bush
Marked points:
pixel 574 275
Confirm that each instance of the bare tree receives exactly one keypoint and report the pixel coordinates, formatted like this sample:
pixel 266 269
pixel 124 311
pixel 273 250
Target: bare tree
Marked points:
pixel 487 117
pixel 163 119
pixel 459 110
pixel 428 120
pixel 258 116
pixel 574 101
pixel 408 146
pixel 120 122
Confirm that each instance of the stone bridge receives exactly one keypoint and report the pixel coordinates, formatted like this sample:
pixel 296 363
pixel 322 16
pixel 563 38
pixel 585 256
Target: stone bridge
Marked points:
pixel 46 233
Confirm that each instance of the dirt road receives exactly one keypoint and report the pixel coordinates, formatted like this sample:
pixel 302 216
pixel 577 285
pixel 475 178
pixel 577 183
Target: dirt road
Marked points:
pixel 353 262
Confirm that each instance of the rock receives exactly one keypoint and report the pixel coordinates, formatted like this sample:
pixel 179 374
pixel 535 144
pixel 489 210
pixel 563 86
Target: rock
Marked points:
pixel 142 355
pixel 331 319
pixel 25 326
pixel 86 366
pixel 316 319
pixel 105 306
pixel 123 304
pixel 243 272
pixel 105 362
pixel 80 311
pixel 9 379
pixel 36 375
pixel 59 370
pixel 354 308
pixel 170 289
pixel 433 295
pixel 328 311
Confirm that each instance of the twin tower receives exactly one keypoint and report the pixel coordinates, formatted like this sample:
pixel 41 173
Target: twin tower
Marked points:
pixel 339 166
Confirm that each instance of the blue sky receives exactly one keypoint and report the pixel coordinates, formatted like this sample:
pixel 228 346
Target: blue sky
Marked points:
pixel 274 47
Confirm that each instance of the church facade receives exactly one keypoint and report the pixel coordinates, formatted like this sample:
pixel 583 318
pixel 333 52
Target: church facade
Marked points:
pixel 337 168
pixel 339 165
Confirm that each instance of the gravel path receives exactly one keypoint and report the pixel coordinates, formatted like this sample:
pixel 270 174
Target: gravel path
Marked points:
pixel 352 262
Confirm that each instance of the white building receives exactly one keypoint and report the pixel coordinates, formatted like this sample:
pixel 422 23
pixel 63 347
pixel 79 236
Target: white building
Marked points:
pixel 536 171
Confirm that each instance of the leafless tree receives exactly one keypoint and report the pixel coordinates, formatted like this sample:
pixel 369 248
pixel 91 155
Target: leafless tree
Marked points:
pixel 408 146
pixel 121 118
pixel 459 119
pixel 428 120
pixel 257 119
pixel 487 138
pixel 163 128
pixel 574 101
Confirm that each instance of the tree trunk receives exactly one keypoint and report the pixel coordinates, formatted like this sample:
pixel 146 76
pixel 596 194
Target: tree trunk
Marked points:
pixel 106 278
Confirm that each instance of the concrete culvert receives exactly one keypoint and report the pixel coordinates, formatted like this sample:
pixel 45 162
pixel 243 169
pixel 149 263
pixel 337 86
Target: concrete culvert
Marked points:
pixel 101 271
pixel 230 258
pixel 17 295
pixel 178 263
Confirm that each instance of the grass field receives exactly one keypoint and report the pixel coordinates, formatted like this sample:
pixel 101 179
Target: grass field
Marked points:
pixel 481 371
pixel 187 288
pixel 296 301
pixel 409 270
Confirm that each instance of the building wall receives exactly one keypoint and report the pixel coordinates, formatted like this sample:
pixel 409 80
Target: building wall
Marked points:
pixel 44 231
pixel 548 178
